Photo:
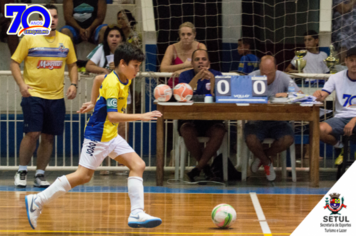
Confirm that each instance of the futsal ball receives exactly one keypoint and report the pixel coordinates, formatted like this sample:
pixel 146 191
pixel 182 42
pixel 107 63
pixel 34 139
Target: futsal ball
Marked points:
pixel 183 92
pixel 223 215
pixel 163 93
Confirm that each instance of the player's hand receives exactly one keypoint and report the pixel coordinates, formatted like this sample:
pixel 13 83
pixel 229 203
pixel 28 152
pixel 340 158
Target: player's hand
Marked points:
pixel 112 66
pixel 318 95
pixel 83 34
pixel 86 107
pixel 71 92
pixel 24 90
pixel 349 128
pixel 153 115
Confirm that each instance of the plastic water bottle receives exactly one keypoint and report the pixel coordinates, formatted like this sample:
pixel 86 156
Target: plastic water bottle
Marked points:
pixel 291 88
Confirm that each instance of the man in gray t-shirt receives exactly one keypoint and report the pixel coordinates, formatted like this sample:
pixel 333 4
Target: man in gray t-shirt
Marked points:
pixel 280 131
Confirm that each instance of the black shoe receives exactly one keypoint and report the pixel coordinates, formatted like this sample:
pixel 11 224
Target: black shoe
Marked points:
pixel 193 173
pixel 207 171
pixel 209 175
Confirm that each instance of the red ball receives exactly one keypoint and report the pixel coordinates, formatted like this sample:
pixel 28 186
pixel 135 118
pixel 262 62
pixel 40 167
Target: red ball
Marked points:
pixel 162 93
pixel 183 92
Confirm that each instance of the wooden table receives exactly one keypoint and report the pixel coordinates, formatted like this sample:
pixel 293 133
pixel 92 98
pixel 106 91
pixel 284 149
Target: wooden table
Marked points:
pixel 222 111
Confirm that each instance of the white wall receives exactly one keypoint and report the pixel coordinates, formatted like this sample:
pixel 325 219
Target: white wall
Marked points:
pixel 231 20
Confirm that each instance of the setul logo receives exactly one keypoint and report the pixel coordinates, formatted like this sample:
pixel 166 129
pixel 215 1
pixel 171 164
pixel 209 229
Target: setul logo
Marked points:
pixel 49 64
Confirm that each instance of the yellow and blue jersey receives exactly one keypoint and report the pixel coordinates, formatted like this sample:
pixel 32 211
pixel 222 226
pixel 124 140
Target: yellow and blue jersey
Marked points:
pixel 248 63
pixel 45 59
pixel 112 98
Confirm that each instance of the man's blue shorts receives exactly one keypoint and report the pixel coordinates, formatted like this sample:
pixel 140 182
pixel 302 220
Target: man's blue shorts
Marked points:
pixel 76 36
pixel 43 115
pixel 268 129
pixel 338 125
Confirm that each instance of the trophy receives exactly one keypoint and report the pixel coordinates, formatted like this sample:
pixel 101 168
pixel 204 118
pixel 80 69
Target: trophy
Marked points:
pixel 300 63
pixel 331 60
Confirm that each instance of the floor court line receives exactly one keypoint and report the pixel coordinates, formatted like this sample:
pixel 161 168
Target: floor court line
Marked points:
pixel 147 233
pixel 260 215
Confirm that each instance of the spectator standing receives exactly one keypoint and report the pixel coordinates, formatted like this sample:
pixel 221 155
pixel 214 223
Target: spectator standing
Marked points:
pixel 41 88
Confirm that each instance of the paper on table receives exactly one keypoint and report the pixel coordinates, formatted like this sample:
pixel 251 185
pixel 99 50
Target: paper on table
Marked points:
pixel 110 58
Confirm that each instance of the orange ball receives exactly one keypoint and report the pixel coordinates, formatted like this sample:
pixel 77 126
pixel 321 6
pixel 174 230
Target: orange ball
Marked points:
pixel 183 92
pixel 162 93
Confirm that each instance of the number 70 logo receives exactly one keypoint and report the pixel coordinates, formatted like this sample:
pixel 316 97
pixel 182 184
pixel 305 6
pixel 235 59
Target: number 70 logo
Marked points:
pixel 21 13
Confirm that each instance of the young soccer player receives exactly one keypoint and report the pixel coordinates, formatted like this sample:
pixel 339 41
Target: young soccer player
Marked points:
pixel 248 61
pixel 101 140
pixel 314 57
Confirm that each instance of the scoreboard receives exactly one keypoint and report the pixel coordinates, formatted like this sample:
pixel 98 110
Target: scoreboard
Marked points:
pixel 241 89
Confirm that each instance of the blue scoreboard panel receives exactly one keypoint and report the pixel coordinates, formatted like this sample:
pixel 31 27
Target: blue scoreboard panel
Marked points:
pixel 241 89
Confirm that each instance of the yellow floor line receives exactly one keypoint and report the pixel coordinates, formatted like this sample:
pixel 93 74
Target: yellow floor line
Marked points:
pixel 152 233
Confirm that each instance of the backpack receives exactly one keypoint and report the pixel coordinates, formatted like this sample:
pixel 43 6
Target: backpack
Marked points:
pixel 217 169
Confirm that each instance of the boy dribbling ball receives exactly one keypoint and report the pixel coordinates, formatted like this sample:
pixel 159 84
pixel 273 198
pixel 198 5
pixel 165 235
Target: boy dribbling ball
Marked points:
pixel 101 139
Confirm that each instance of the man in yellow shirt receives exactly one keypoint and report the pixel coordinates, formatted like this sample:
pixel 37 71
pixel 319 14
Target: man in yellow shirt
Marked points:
pixel 42 94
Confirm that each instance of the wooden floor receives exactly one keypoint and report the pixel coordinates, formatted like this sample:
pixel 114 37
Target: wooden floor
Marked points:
pixel 182 214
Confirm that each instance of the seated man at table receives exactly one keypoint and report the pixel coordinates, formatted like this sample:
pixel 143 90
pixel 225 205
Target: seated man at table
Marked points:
pixel 281 131
pixel 344 85
pixel 201 78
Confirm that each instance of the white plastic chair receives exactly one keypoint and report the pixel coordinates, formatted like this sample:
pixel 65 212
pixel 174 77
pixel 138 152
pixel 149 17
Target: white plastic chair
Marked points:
pixel 180 152
pixel 283 160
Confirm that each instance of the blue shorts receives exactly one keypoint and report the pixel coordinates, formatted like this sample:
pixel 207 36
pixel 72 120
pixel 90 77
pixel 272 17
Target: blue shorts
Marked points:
pixel 338 125
pixel 268 129
pixel 76 37
pixel 43 115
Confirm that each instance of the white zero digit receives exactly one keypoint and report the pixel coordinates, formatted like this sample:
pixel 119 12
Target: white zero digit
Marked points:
pixel 219 87
pixel 255 87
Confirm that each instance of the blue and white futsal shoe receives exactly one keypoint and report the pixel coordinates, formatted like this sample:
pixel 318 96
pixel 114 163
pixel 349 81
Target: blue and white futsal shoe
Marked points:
pixel 33 210
pixel 143 220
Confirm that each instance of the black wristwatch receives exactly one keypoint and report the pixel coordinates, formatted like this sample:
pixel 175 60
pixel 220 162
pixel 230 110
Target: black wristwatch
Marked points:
pixel 75 85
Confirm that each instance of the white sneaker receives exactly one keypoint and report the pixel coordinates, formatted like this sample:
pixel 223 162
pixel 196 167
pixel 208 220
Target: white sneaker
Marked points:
pixel 270 174
pixel 143 220
pixel 41 182
pixel 255 165
pixel 33 210
pixel 21 179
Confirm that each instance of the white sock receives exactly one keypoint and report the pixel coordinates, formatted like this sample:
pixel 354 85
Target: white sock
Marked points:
pixel 55 190
pixel 39 172
pixel 339 145
pixel 135 189
pixel 22 168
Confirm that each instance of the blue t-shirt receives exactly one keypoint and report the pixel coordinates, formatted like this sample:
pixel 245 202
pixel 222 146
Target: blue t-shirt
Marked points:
pixel 203 85
pixel 248 63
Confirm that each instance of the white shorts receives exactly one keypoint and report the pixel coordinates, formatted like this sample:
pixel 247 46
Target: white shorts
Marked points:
pixel 94 152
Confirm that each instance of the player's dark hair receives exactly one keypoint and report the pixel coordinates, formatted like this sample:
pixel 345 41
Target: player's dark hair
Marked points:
pixel 128 52
pixel 105 40
pixel 51 6
pixel 312 33
pixel 246 41
pixel 200 49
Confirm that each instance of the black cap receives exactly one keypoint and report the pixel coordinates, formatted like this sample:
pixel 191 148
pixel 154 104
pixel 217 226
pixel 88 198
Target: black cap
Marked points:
pixel 351 52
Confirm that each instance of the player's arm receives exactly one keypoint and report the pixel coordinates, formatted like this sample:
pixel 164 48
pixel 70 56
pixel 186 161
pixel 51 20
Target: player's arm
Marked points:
pixel 88 106
pixel 100 16
pixel 117 117
pixel 73 75
pixel 321 95
pixel 290 68
pixel 68 14
pixel 349 127
pixel 16 73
